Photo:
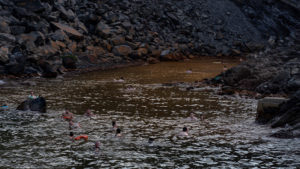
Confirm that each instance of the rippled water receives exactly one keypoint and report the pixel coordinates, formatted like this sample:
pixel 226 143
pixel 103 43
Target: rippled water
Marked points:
pixel 143 108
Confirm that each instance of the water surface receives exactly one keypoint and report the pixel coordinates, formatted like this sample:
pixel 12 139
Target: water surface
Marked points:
pixel 143 108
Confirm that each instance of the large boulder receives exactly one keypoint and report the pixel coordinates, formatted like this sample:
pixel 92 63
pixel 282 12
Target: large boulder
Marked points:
pixel 122 50
pixel 69 30
pixel 38 104
pixel 268 108
pixel 103 29
pixel 289 112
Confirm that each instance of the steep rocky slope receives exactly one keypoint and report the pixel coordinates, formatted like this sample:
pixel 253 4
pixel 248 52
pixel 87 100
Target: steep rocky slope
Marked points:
pixel 47 37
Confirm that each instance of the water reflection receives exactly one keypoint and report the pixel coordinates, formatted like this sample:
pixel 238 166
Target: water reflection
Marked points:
pixel 143 108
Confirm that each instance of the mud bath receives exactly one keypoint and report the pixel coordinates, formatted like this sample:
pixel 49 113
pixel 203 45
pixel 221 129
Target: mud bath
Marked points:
pixel 143 108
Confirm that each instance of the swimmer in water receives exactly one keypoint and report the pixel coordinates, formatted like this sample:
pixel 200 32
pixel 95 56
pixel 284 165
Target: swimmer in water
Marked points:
pixel 184 132
pixel 4 106
pixel 225 68
pixel 32 96
pixel 118 132
pixel 114 125
pixel 189 71
pixel 72 136
pixel 192 117
pixel 84 137
pixel 73 125
pixel 121 79
pixel 97 145
pixel 151 140
pixel 67 116
pixel 88 113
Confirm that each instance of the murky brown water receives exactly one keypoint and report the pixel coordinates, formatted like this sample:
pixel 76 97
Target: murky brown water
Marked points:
pixel 143 108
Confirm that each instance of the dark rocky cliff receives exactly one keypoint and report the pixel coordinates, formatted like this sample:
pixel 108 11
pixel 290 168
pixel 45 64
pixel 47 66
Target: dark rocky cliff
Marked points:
pixel 47 37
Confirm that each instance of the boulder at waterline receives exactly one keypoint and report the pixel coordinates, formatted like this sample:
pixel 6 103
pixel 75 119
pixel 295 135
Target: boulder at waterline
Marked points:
pixel 38 104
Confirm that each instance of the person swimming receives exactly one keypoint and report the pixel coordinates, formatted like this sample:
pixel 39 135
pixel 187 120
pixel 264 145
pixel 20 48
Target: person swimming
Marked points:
pixel 225 68
pixel 121 79
pixel 114 125
pixel 189 71
pixel 4 106
pixel 84 137
pixel 118 133
pixel 73 125
pixel 67 116
pixel 97 145
pixel 32 96
pixel 150 140
pixel 192 117
pixel 184 132
pixel 88 113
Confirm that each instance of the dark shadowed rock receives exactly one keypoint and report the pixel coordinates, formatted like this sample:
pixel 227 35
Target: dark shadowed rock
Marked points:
pixel 15 68
pixel 49 70
pixel 38 104
pixel 7 37
pixel 69 62
pixel 32 5
pixel 4 27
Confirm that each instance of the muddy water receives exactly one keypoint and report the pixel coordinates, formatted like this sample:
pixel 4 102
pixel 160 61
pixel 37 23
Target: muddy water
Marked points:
pixel 143 108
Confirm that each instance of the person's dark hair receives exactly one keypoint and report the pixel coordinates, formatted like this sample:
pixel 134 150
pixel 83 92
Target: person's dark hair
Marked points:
pixel 71 134
pixel 184 129
pixel 150 140
pixel 113 123
pixel 118 131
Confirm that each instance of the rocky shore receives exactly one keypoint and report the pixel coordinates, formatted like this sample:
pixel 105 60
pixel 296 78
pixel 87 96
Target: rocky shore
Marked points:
pixel 48 38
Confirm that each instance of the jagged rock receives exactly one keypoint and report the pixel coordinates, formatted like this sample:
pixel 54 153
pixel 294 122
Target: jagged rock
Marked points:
pixel 4 27
pixel 68 14
pixel 7 37
pixel 4 55
pixel 122 50
pixel 16 30
pixel 38 104
pixel 59 35
pixel 103 29
pixel 32 5
pixel 142 52
pixel 69 30
pixel 119 40
pixel 95 50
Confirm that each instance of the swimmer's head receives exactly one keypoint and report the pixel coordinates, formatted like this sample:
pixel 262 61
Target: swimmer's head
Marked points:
pixel 150 140
pixel 71 134
pixel 97 144
pixel 184 129
pixel 118 131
